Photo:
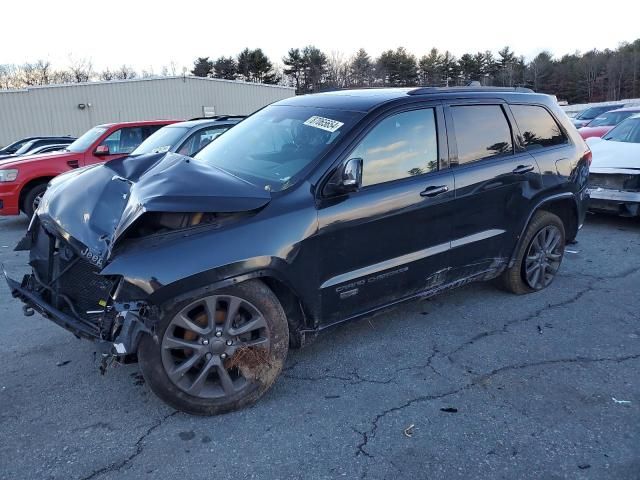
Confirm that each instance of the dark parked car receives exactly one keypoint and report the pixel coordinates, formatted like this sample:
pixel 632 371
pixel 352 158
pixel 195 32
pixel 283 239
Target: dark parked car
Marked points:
pixel 29 147
pixel 187 138
pixel 313 211
pixel 13 147
pixel 586 116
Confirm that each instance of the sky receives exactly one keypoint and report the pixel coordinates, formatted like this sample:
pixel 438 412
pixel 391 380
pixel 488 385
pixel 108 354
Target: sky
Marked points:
pixel 148 35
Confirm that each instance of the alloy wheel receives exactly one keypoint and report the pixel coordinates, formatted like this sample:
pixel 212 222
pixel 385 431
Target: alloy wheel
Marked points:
pixel 213 347
pixel 543 257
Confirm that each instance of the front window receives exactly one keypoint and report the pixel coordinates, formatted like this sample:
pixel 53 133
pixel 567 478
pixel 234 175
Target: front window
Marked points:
pixel 274 146
pixel 124 141
pixel 161 141
pixel 400 146
pixel 86 140
pixel 609 118
pixel 628 131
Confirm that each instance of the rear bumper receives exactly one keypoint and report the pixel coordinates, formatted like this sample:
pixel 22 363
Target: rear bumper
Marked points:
pixel 9 198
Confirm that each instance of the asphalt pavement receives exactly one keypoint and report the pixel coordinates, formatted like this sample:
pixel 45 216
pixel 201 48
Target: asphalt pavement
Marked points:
pixel 475 383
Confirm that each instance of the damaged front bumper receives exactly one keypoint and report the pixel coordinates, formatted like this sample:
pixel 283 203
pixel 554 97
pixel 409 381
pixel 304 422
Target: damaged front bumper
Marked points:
pixel 67 289
pixel 620 202
pixel 128 324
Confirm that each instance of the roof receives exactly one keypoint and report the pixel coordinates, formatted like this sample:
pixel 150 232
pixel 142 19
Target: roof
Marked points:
pixel 145 79
pixel 364 100
pixel 140 123
pixel 204 122
pixel 626 109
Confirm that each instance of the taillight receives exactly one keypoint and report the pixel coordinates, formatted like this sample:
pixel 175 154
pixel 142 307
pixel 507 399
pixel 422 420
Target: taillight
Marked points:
pixel 586 156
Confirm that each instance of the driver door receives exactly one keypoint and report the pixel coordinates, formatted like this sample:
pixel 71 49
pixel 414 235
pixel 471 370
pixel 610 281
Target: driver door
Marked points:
pixel 390 239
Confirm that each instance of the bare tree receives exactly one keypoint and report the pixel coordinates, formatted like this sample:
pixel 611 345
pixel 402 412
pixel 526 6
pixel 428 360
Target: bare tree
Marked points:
pixel 81 70
pixel 337 70
pixel 125 72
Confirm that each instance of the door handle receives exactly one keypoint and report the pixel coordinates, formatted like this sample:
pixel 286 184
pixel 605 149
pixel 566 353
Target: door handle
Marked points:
pixel 520 169
pixel 433 191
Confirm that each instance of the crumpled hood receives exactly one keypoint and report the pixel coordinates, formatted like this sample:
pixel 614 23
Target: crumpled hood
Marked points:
pixel 95 205
pixel 609 154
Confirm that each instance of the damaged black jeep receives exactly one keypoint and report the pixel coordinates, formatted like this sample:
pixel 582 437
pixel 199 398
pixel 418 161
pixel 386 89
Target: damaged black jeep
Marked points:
pixel 313 211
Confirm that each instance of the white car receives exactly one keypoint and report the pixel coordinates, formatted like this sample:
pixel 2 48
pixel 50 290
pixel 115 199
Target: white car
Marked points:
pixel 614 175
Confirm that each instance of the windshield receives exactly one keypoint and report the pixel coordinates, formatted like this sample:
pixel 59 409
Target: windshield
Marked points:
pixel 272 147
pixel 161 141
pixel 85 141
pixel 609 118
pixel 628 131
pixel 593 112
pixel 25 148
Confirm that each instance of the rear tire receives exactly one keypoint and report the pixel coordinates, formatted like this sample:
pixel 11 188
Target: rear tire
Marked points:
pixel 539 255
pixel 217 351
pixel 32 198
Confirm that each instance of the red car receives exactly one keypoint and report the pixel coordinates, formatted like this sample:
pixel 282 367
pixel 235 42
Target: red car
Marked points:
pixel 24 180
pixel 605 122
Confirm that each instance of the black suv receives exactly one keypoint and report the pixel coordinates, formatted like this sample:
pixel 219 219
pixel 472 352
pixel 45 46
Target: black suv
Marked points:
pixel 313 211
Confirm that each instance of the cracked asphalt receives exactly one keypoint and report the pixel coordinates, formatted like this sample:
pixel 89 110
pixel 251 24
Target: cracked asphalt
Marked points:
pixel 475 383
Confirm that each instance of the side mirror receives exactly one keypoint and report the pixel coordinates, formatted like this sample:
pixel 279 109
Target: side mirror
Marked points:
pixel 101 150
pixel 348 178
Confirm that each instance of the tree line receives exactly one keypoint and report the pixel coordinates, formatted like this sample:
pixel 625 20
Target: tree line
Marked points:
pixel 597 75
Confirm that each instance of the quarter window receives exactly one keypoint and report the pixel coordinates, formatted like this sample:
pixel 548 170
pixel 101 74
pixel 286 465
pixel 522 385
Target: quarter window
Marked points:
pixel 400 146
pixel 537 127
pixel 482 131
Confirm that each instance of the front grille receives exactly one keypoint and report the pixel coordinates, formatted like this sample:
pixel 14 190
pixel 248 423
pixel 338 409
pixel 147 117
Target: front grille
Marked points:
pixel 83 285
pixel 615 181
pixel 67 281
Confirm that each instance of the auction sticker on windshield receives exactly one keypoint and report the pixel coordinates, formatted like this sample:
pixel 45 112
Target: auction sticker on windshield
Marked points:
pixel 324 123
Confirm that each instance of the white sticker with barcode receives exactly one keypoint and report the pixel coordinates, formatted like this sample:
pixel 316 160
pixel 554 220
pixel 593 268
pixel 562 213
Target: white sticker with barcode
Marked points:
pixel 324 123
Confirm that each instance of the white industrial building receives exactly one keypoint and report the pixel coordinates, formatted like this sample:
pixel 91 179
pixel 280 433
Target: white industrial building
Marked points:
pixel 72 109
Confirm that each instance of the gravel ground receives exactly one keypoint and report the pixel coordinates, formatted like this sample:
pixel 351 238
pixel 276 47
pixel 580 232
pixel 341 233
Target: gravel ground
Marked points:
pixel 489 385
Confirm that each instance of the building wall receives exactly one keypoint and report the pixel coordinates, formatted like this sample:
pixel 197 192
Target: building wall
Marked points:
pixel 53 110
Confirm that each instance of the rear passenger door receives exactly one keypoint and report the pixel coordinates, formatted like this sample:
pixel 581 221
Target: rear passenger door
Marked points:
pixel 496 180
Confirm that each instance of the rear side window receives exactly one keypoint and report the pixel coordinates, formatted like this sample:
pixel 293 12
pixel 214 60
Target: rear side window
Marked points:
pixel 400 146
pixel 537 127
pixel 482 131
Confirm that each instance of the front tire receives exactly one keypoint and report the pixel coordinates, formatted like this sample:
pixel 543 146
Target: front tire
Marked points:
pixel 32 199
pixel 217 352
pixel 539 255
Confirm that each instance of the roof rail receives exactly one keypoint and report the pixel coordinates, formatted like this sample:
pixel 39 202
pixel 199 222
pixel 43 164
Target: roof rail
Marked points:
pixel 431 90
pixel 219 117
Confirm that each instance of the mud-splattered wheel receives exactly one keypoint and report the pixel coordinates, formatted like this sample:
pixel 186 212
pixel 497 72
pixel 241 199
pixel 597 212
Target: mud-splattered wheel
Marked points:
pixel 218 351
pixel 539 256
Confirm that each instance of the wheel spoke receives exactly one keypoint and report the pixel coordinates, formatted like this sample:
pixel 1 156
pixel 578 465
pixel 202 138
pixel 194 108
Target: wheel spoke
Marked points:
pixel 225 380
pixel 232 311
pixel 533 280
pixel 181 320
pixel 173 343
pixel 196 387
pixel 178 372
pixel 212 304
pixel 253 324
